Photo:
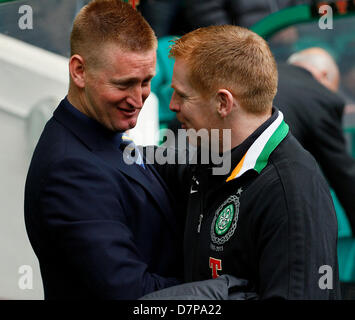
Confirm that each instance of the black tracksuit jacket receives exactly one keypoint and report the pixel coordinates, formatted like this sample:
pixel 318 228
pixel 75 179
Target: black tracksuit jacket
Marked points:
pixel 270 221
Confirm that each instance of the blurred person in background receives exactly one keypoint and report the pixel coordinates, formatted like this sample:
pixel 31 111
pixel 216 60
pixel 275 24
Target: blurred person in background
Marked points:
pixel 348 84
pixel 307 96
pixel 166 17
pixel 244 13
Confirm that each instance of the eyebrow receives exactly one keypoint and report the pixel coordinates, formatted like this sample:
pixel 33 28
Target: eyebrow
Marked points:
pixel 126 81
pixel 178 91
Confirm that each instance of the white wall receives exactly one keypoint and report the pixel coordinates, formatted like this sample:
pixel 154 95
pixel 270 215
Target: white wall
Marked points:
pixel 28 76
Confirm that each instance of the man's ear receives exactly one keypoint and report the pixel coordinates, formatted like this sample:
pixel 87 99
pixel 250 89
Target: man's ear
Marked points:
pixel 77 70
pixel 322 77
pixel 225 102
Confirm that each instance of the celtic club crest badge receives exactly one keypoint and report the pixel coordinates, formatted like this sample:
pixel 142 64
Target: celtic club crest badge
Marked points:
pixel 225 220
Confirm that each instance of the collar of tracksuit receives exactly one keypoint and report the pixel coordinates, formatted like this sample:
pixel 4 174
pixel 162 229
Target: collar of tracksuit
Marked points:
pixel 253 153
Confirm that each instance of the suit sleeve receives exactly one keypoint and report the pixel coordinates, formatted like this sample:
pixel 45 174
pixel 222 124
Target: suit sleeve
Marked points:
pixel 176 173
pixel 86 224
pixel 331 152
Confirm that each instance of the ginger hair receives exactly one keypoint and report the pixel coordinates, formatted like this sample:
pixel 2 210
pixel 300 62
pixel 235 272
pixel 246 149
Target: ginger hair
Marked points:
pixel 232 58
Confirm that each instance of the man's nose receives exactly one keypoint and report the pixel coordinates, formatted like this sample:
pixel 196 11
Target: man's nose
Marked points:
pixel 174 106
pixel 137 97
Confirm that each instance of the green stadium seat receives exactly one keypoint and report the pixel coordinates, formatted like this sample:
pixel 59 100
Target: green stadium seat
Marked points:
pixel 162 81
pixel 346 240
pixel 346 259
pixel 344 229
pixel 346 244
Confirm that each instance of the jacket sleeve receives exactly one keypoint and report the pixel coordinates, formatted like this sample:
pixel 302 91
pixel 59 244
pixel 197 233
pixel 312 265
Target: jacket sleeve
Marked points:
pixel 225 287
pixel 294 235
pixel 270 234
pixel 87 227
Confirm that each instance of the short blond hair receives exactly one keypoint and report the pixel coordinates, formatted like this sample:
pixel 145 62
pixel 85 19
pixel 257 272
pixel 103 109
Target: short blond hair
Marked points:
pixel 233 58
pixel 110 21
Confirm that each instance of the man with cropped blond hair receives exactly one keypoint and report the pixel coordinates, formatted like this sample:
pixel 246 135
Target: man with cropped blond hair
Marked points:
pixel 270 221
pixel 101 228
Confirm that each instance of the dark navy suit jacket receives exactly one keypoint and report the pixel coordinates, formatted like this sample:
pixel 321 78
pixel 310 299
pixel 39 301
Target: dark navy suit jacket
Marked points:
pixel 99 227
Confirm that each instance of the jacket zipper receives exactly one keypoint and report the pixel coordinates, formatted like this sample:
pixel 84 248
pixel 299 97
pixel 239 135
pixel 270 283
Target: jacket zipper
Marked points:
pixel 199 223
pixel 197 245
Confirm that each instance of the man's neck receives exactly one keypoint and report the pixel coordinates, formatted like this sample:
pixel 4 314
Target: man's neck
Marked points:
pixel 245 126
pixel 74 99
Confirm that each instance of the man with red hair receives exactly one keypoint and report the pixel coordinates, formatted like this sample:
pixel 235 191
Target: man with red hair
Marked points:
pixel 269 221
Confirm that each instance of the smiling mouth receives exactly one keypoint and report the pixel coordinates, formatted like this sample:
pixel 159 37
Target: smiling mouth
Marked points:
pixel 128 111
pixel 182 124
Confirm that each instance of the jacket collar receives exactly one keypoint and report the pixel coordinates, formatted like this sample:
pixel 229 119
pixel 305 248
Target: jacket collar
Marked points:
pixel 269 136
pixel 90 132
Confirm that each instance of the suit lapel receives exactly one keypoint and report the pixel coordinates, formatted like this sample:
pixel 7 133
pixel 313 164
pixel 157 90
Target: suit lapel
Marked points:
pixel 114 157
pixel 101 141
pixel 167 202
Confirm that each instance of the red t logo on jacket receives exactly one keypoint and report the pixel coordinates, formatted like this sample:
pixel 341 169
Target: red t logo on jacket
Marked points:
pixel 215 264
